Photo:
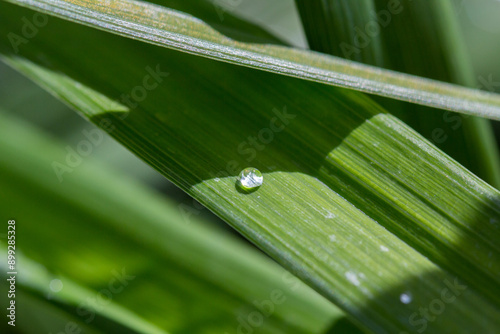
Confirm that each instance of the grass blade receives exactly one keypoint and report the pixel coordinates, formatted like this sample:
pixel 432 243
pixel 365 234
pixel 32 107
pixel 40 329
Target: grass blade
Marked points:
pixel 182 32
pixel 418 38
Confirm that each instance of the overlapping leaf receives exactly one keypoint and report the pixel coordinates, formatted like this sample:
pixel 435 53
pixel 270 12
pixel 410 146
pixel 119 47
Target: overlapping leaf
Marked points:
pixel 172 29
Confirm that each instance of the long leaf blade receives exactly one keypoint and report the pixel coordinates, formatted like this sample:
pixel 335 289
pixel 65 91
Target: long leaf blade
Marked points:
pixel 168 28
pixel 423 39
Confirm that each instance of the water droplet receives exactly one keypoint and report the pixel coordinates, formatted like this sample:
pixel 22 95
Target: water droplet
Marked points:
pixel 352 277
pixel 56 285
pixel 384 249
pixel 250 178
pixel 405 298
pixel 332 238
pixel 330 215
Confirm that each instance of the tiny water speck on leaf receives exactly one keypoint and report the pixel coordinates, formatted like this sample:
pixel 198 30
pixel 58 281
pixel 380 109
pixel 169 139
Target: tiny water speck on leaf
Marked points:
pixel 56 285
pixel 250 178
pixel 353 278
pixel 405 298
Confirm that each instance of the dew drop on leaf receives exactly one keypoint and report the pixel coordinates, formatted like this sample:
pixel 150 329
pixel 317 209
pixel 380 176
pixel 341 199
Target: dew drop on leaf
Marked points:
pixel 405 298
pixel 250 178
pixel 56 285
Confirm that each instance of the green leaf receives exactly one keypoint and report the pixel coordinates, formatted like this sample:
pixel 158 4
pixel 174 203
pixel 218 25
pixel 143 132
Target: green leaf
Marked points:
pixel 175 30
pixel 43 316
pixel 220 16
pixel 354 202
pixel 414 37
pixel 338 28
pixel 177 273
